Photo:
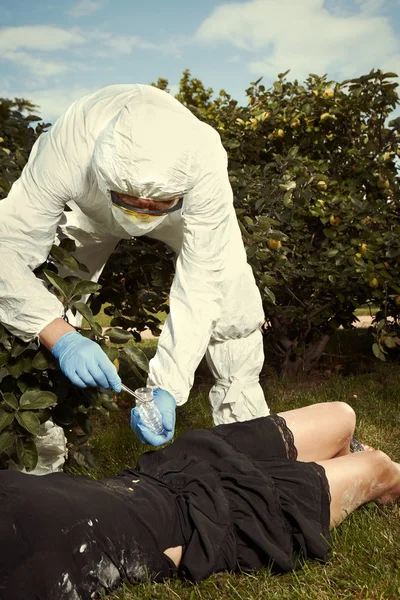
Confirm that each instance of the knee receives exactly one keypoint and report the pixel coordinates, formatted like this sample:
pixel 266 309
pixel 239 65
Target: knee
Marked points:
pixel 347 415
pixel 383 465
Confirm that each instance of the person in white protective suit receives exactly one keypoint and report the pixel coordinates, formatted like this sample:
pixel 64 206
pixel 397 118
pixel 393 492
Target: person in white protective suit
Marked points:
pixel 130 160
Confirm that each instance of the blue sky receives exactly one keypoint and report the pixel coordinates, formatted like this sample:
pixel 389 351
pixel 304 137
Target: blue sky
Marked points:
pixel 55 51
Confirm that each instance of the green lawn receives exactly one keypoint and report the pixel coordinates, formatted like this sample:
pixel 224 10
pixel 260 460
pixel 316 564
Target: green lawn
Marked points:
pixel 104 320
pixel 366 311
pixel 365 559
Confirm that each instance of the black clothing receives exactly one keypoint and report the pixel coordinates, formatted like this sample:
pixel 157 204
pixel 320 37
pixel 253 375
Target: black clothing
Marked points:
pixel 233 496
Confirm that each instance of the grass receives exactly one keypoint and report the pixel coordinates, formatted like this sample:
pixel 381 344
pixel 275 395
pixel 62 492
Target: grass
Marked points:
pixel 365 558
pixel 366 311
pixel 104 320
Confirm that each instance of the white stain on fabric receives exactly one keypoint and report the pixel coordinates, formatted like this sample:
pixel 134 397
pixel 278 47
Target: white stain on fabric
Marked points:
pixel 67 592
pixel 132 562
pixel 107 573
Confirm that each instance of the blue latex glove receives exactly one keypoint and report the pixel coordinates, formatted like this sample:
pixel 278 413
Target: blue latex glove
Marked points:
pixel 85 363
pixel 166 405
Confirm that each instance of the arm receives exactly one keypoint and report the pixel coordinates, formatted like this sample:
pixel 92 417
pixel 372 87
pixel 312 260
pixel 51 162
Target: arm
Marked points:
pixel 29 217
pixel 196 292
pixel 28 221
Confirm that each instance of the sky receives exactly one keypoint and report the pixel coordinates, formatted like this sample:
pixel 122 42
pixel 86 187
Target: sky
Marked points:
pixel 53 52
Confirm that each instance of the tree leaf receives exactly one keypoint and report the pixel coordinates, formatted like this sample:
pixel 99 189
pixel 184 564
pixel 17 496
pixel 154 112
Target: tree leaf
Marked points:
pixel 390 342
pixel 4 356
pixel 118 336
pixel 20 159
pixel 16 366
pixel 111 351
pixel 63 257
pixel 378 352
pixel 27 453
pixel 6 440
pixel 137 356
pixel 18 348
pixel 41 361
pixel 270 295
pixel 87 314
pixel 10 400
pixel 34 399
pixel 6 418
pixel 29 421
pixel 62 286
pixel 84 287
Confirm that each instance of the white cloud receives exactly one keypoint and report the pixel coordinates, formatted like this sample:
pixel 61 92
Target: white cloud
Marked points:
pixel 304 37
pixel 38 37
pixel 124 44
pixel 33 48
pixel 38 67
pixel 83 8
pixel 52 103
pixel 27 47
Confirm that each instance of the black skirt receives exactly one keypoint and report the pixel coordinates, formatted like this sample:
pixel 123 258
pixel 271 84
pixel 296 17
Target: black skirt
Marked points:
pixel 234 497
pixel 246 502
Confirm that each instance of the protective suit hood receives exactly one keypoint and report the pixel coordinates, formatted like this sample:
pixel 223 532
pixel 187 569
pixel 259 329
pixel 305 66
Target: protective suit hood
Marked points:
pixel 146 151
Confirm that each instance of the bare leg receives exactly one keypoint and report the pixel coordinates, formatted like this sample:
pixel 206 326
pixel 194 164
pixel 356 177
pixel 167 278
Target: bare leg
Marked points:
pixel 359 478
pixel 321 431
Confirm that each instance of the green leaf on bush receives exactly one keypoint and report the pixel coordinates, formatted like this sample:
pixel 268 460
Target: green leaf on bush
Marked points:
pixel 390 342
pixel 20 159
pixel 41 361
pixel 16 366
pixel 63 257
pixel 27 453
pixel 18 348
pixel 6 440
pixel 3 357
pixel 378 352
pixel 62 286
pixel 270 295
pixel 87 314
pixel 331 253
pixel 85 287
pixel 37 399
pixel 6 418
pixel 118 336
pixel 29 421
pixel 137 356
pixel 111 352
pixel 10 400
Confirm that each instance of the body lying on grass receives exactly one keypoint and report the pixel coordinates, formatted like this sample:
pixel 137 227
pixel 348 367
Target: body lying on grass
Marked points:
pixel 235 497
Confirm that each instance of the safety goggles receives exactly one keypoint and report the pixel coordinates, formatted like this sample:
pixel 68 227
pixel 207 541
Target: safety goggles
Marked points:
pixel 133 209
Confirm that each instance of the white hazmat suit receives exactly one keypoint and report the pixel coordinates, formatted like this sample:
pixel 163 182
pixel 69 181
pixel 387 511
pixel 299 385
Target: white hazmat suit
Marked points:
pixel 140 141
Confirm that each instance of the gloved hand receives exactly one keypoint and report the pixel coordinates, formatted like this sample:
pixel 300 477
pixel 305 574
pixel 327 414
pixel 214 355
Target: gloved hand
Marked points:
pixel 85 363
pixel 166 405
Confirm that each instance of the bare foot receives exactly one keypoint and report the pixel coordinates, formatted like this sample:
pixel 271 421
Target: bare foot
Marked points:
pixel 368 448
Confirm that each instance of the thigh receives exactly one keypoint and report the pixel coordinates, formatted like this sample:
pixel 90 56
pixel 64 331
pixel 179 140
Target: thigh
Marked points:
pixel 321 431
